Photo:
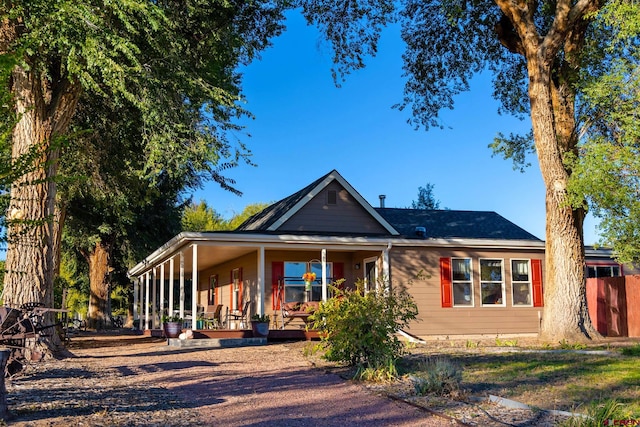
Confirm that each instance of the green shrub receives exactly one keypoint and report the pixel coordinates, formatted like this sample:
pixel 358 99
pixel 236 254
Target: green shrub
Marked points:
pixel 631 351
pixel 598 415
pixel 438 376
pixel 359 329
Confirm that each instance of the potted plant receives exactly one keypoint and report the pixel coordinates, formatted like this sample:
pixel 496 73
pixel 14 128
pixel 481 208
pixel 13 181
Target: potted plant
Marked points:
pixel 172 326
pixel 260 325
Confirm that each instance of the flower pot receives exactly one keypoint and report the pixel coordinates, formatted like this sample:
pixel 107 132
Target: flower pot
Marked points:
pixel 260 329
pixel 172 329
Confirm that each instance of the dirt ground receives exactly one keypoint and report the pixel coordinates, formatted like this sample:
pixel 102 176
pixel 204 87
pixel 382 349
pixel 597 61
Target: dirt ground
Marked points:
pixel 130 380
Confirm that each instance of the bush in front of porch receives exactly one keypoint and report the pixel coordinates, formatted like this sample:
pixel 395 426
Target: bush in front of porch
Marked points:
pixel 359 328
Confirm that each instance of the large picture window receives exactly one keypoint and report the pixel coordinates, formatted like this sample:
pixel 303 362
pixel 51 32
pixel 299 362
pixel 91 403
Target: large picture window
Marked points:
pixel 491 282
pixel 521 282
pixel 462 284
pixel 294 286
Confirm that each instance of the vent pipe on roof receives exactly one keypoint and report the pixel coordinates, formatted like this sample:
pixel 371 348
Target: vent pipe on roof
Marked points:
pixel 421 232
pixel 382 197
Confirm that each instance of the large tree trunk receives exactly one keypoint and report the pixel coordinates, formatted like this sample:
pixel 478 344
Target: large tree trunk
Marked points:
pixel 99 269
pixel 44 109
pixel 565 314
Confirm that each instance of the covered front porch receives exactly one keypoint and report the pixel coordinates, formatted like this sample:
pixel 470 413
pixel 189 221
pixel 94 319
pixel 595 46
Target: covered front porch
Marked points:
pixel 247 275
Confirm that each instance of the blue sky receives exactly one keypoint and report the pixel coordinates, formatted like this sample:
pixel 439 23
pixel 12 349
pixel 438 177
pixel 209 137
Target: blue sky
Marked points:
pixel 305 126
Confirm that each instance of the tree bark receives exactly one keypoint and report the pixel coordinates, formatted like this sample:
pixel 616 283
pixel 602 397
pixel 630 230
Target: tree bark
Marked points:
pixel 565 314
pixel 99 269
pixel 44 109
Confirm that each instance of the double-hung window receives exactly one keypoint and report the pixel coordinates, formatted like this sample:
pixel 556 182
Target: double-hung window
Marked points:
pixel 294 286
pixel 521 282
pixel 492 282
pixel 462 284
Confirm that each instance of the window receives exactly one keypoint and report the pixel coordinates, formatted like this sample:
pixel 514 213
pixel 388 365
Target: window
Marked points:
pixel 332 197
pixel 611 270
pixel 491 282
pixel 461 284
pixel 521 282
pixel 294 287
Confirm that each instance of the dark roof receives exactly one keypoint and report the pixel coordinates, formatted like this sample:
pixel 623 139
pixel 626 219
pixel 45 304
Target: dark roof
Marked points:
pixel 265 218
pixel 444 224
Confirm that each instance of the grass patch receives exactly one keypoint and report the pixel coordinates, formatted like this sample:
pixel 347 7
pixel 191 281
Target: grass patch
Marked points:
pixel 564 380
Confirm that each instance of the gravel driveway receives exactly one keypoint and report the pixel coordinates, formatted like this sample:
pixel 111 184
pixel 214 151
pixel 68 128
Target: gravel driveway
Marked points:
pixel 136 381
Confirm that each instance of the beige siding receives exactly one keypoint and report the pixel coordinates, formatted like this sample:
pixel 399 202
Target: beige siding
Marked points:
pixel 346 216
pixel 419 271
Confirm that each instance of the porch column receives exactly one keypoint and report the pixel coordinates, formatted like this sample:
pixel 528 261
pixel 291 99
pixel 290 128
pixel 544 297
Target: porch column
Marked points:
pixel 146 301
pixel 181 285
pixel 136 288
pixel 385 268
pixel 324 274
pixel 261 281
pixel 194 288
pixel 171 287
pixel 161 306
pixel 154 299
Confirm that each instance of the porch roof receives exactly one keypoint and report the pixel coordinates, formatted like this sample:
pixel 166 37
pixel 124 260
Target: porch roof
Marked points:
pixel 218 247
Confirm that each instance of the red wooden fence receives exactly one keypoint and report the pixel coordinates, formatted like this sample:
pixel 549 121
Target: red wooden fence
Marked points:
pixel 614 305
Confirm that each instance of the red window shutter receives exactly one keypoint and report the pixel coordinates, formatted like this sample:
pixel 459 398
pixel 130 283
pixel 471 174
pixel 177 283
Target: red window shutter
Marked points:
pixel 536 282
pixel 445 282
pixel 338 272
pixel 277 273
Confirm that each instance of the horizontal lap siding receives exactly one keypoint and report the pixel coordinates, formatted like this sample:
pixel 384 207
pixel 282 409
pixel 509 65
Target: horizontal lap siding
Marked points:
pixel 346 216
pixel 419 270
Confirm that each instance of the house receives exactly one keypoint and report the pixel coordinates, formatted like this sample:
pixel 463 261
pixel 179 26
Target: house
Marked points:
pixel 470 273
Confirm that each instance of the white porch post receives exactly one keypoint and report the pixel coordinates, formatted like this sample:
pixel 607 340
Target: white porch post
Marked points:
pixel 324 274
pixel 194 288
pixel 161 306
pixel 146 301
pixel 261 281
pixel 136 289
pixel 154 298
pixel 171 287
pixel 385 267
pixel 181 285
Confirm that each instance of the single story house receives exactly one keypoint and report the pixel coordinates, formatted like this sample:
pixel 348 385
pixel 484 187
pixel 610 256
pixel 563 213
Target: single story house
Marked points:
pixel 470 273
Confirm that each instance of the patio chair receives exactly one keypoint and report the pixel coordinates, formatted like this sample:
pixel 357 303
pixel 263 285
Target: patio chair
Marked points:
pixel 240 315
pixel 213 316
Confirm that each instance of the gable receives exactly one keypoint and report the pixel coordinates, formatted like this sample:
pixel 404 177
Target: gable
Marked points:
pixel 310 210
pixel 333 210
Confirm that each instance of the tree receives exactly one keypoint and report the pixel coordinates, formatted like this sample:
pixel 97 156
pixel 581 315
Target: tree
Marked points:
pixel 539 55
pixel 149 54
pixel 201 217
pixel 426 198
pixel 607 170
pixel 249 210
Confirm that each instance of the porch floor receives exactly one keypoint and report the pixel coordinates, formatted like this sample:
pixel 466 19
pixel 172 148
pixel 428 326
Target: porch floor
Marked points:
pixel 242 334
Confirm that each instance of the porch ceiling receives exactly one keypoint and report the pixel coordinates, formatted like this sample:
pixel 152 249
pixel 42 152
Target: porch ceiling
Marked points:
pixel 208 256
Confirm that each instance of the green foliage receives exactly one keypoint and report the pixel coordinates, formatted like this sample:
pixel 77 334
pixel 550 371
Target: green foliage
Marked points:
pixel 437 375
pixel 599 413
pixel 360 329
pixel 201 217
pixel 171 319
pixel 631 351
pixel 264 318
pixel 426 198
pixel 506 343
